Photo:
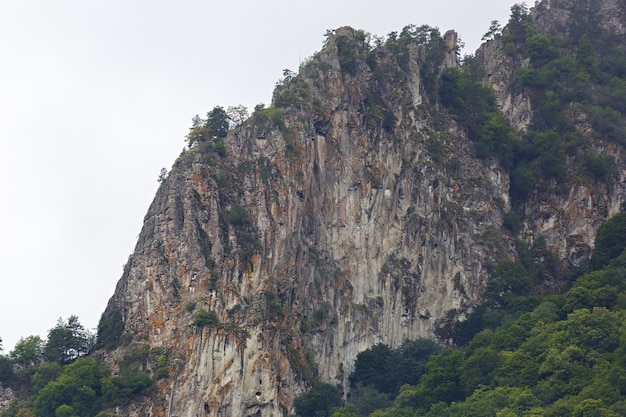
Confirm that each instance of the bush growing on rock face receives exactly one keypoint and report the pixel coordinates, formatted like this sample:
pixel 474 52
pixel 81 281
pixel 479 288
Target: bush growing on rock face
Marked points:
pixel 238 215
pixel 6 370
pixel 610 241
pixel 347 53
pixel 511 222
pixel 600 167
pixel 205 318
pixel 318 402
pixel 274 304
pixel 110 329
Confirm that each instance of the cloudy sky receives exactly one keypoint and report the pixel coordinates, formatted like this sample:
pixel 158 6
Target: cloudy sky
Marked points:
pixel 97 96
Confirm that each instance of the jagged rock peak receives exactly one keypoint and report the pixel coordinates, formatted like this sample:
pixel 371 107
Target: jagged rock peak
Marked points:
pixel 351 212
pixel 327 223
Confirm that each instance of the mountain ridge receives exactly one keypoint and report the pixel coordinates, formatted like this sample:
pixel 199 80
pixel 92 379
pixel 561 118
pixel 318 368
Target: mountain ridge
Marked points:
pixel 351 212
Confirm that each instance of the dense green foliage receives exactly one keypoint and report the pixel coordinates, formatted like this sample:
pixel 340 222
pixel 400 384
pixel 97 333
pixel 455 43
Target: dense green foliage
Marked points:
pixel 318 402
pixel 586 67
pixel 205 318
pixel 28 351
pixel 75 388
pixel 6 370
pixel 474 106
pixel 217 122
pixel 609 242
pixel 110 328
pixel 55 377
pixel 387 370
pixel 380 372
pixel 85 387
pixel 211 131
pixel 67 341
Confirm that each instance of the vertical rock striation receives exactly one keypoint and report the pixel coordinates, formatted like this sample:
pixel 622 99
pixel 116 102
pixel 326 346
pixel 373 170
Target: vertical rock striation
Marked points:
pixel 349 213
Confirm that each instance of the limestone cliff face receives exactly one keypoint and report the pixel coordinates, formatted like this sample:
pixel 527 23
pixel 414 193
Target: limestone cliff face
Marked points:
pixel 351 212
pixel 359 222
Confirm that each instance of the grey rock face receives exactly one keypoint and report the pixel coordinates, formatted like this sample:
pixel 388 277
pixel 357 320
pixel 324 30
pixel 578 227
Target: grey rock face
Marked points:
pixel 346 215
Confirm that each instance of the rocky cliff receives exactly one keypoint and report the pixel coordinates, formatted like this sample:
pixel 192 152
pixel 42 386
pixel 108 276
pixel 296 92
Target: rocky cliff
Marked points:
pixel 567 218
pixel 351 212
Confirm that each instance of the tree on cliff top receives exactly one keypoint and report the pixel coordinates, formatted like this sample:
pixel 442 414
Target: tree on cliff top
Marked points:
pixel 217 122
pixel 215 126
pixel 67 341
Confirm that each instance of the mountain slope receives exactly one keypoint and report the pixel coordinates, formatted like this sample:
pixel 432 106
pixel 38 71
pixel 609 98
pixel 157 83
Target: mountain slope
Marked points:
pixel 352 211
pixel 559 69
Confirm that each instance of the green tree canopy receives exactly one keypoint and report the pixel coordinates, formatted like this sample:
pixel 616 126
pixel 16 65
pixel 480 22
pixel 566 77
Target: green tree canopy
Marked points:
pixel 509 277
pixel 76 387
pixel 46 372
pixel 28 351
pixel 372 367
pixel 67 341
pixel 84 387
pixel 318 402
pixel 110 329
pixel 388 369
pixel 610 241
pixel 6 370
pixel 218 122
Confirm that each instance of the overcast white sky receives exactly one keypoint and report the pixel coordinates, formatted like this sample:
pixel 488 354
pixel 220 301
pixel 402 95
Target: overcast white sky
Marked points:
pixel 97 96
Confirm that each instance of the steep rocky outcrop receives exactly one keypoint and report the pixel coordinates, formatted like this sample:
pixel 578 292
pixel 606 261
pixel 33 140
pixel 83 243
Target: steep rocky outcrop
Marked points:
pixel 567 219
pixel 349 213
